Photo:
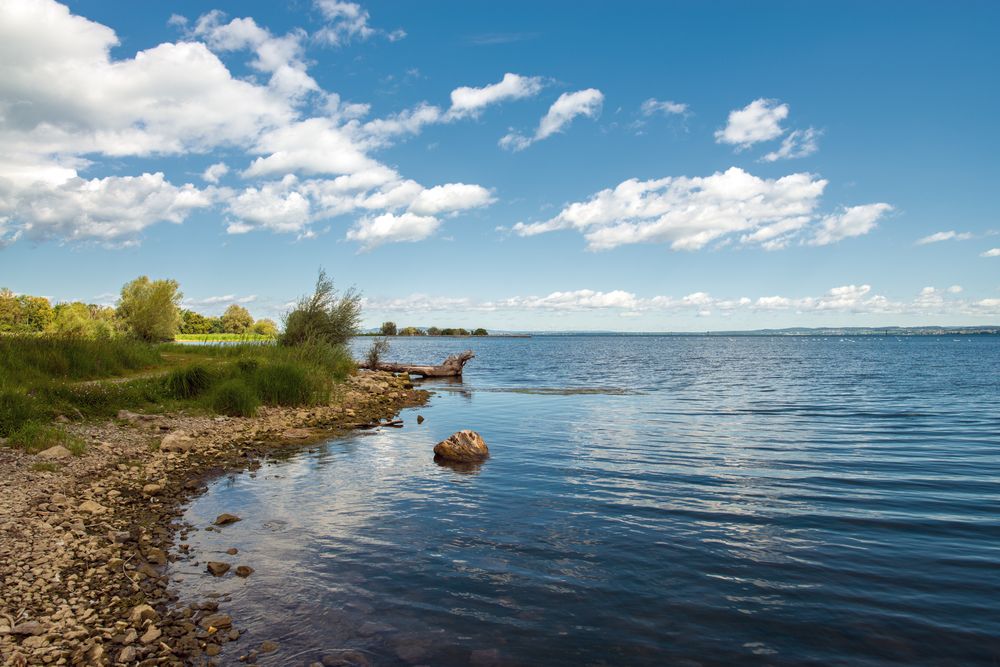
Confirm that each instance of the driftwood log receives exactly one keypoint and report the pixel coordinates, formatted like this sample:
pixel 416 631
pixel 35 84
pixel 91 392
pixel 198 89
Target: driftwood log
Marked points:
pixel 449 368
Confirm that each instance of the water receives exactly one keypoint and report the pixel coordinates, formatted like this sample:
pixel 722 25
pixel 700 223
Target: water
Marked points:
pixel 649 501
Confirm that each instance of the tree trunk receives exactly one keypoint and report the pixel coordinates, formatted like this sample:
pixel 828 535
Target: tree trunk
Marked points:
pixel 450 367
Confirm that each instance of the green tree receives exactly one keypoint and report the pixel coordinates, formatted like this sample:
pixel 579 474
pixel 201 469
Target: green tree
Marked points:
pixel 194 323
pixel 433 331
pixel 72 320
pixel 389 329
pixel 36 312
pixel 265 327
pixel 10 311
pixel 150 309
pixel 236 320
pixel 215 325
pixel 325 317
pixel 410 331
pixel 480 332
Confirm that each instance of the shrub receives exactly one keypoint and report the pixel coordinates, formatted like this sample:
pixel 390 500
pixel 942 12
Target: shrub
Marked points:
pixel 150 309
pixel 323 317
pixel 234 398
pixel 265 327
pixel 15 411
pixel 189 381
pixel 378 349
pixel 286 384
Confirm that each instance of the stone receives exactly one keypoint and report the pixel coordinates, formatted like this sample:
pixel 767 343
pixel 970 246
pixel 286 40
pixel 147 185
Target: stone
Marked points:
pixel 126 655
pixel 142 612
pixel 92 507
pixel 244 571
pixel 226 519
pixel 213 650
pixel 151 489
pixel 232 551
pixel 217 621
pixel 463 446
pixel 156 556
pixel 268 646
pixel 178 441
pixel 420 419
pixel 28 628
pixel 296 434
pixel 151 635
pixel 216 568
pixel 55 453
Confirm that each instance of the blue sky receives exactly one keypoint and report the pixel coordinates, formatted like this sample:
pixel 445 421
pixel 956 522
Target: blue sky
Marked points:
pixel 630 166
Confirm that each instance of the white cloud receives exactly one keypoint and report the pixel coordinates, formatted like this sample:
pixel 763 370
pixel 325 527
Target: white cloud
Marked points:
pixel 852 221
pixel 758 121
pixel 562 112
pixel 272 206
pixel 798 144
pixel 652 106
pixel 347 21
pixel 450 197
pixel 391 228
pixel 112 210
pixel 950 235
pixel 226 298
pixel 689 213
pixel 312 146
pixel 992 252
pixel 845 299
pixel 214 172
pixel 469 101
pixel 955 289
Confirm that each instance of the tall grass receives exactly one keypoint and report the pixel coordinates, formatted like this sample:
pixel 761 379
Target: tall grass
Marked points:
pixel 27 358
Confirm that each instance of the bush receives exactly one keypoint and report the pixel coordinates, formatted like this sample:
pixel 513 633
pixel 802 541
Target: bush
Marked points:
pixel 234 398
pixel 324 318
pixel 378 349
pixel 15 411
pixel 286 384
pixel 189 381
pixel 151 308
pixel 265 327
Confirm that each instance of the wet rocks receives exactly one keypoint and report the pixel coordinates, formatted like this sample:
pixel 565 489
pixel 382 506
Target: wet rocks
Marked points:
pixel 268 646
pixel 243 571
pixel 226 519
pixel 217 621
pixel 216 568
pixel 420 419
pixel 463 446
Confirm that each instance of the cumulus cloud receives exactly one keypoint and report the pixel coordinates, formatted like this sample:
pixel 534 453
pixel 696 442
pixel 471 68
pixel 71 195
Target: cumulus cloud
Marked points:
pixel 950 235
pixel 214 172
pixel 758 121
pixel 852 221
pixel 653 107
pixel 798 144
pixel 449 198
pixel 562 112
pixel 469 101
pixel 112 210
pixel 226 298
pixel 992 252
pixel 392 228
pixel 689 213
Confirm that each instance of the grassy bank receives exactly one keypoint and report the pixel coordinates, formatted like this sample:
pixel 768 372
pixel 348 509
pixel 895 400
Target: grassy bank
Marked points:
pixel 44 379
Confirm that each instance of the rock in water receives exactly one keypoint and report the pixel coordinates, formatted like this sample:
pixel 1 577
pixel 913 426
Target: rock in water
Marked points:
pixel 226 519
pixel 463 446
pixel 216 568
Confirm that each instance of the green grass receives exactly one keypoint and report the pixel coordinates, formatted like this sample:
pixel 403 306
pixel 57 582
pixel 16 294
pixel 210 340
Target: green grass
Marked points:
pixel 34 437
pixel 223 337
pixel 235 398
pixel 42 377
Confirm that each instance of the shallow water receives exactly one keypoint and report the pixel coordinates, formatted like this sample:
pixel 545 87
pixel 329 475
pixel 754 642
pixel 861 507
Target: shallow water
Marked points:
pixel 650 500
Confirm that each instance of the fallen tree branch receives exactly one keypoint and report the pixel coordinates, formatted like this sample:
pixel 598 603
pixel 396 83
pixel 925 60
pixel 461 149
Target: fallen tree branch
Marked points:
pixel 450 367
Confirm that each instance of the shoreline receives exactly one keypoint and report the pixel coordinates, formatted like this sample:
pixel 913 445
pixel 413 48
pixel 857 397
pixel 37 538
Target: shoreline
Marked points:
pixel 84 549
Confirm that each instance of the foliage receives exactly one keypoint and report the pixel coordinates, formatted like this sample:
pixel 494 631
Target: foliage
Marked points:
pixel 150 309
pixel 325 317
pixel 433 331
pixel 453 332
pixel 388 329
pixel 236 320
pixel 194 323
pixel 266 328
pixel 410 331
pixel 480 332
pixel 16 408
pixel 224 338
pixel 189 381
pixel 235 398
pixel 378 349
pixel 23 313
pixel 287 384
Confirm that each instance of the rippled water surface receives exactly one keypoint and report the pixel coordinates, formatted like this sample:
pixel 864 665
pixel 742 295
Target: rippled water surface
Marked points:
pixel 650 500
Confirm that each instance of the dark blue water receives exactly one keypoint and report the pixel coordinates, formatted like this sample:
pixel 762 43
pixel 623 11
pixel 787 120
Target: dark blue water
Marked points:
pixel 650 500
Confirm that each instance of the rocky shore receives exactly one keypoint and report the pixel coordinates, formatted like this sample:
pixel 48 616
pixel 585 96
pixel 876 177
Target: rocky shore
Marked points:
pixel 84 541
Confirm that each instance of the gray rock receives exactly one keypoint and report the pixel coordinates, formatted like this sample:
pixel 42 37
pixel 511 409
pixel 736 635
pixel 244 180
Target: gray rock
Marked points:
pixel 55 453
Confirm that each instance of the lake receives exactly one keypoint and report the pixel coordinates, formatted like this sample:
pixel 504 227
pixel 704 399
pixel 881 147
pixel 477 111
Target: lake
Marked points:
pixel 650 500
